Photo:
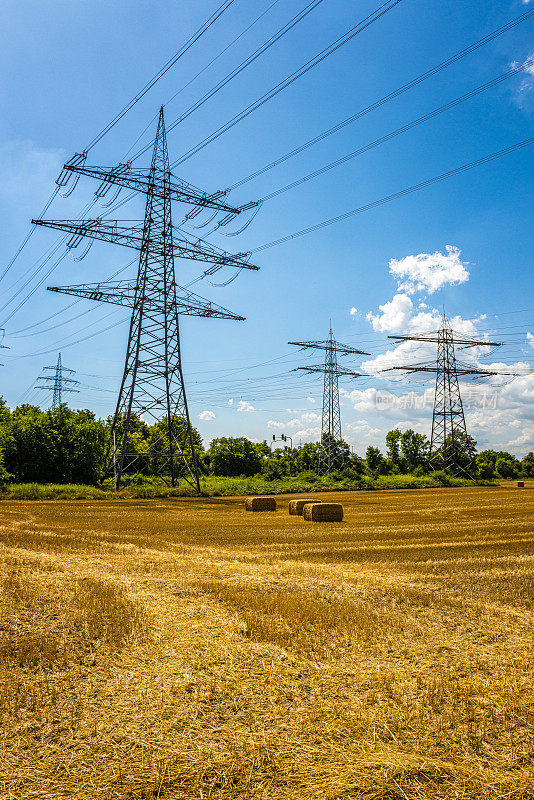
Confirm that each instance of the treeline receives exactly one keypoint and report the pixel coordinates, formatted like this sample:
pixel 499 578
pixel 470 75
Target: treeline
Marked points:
pixel 66 446
pixel 406 453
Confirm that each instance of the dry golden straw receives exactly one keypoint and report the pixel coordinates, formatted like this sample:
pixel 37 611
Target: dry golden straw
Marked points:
pixel 260 504
pixel 296 506
pixel 323 512
pixel 180 650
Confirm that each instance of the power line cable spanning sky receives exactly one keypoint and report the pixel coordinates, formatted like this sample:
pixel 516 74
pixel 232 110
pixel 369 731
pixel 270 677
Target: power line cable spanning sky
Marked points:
pixel 396 195
pixel 146 88
pixel 388 97
pixel 236 71
pixel 414 82
pixel 282 85
pixel 44 262
pixel 163 71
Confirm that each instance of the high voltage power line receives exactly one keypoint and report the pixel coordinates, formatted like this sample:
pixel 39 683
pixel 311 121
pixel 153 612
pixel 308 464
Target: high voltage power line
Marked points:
pixel 236 71
pixel 403 129
pixel 201 71
pixel 457 56
pixel 388 97
pixel 146 88
pixel 396 195
pixel 313 62
pixel 163 71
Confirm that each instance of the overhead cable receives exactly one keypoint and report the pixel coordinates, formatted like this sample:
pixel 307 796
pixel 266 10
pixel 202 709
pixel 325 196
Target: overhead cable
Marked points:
pixel 409 190
pixel 388 97
pixel 419 121
pixel 235 72
pixel 164 69
pixel 313 62
pixel 200 72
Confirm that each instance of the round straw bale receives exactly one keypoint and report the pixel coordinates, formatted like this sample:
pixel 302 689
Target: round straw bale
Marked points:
pixel 296 506
pixel 323 512
pixel 260 504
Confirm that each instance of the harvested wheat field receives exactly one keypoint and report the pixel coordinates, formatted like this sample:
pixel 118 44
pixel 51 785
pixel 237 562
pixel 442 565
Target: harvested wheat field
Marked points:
pixel 188 649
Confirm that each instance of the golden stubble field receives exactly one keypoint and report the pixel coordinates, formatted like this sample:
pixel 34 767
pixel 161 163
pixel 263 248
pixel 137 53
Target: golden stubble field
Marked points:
pixel 188 649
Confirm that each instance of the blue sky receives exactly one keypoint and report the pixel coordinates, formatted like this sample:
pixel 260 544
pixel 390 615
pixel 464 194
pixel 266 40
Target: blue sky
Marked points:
pixel 464 245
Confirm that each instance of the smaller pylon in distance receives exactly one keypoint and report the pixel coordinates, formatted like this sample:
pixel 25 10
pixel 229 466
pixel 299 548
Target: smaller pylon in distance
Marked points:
pixel 57 380
pixel 330 454
pixel 451 447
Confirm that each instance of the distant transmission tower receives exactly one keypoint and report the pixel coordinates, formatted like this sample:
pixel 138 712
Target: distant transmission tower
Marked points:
pixel 450 447
pixel 58 382
pixel 330 457
pixel 3 346
pixel 152 386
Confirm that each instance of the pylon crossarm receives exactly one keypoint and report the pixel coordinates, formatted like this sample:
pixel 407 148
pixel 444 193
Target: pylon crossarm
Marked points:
pixel 138 180
pixel 124 294
pixel 339 371
pixel 342 349
pixel 132 236
pixel 465 371
pixel 433 339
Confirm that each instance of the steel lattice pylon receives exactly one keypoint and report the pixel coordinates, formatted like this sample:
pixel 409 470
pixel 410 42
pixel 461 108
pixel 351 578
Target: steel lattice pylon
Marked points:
pixel 58 383
pixel 153 377
pixel 152 388
pixel 330 455
pixel 451 448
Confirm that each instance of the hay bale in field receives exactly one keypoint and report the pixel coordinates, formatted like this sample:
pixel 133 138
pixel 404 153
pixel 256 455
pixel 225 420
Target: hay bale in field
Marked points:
pixel 323 512
pixel 296 506
pixel 260 504
pixel 520 484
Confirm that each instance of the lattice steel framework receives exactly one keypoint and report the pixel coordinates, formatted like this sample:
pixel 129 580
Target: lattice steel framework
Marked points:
pixel 152 387
pixel 451 448
pixel 58 383
pixel 330 455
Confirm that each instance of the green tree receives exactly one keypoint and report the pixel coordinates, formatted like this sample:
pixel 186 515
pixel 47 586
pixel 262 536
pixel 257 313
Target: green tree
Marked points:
pixel 60 446
pixel 393 439
pixel 234 456
pixel 507 467
pixel 374 460
pixel 527 465
pixel 415 449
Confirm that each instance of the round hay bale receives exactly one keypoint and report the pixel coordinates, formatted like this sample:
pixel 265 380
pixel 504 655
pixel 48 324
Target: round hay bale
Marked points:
pixel 296 506
pixel 323 512
pixel 260 504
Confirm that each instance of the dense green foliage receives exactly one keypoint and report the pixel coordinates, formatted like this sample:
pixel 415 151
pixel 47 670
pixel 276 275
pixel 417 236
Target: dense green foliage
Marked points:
pixel 70 448
pixel 61 445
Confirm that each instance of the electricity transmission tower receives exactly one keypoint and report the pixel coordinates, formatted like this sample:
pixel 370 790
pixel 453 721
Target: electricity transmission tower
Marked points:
pixel 450 446
pixel 330 455
pixel 58 382
pixel 3 346
pixel 152 387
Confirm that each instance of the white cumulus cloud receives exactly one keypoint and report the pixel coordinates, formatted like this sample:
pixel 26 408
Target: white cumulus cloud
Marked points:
pixel 429 272
pixel 524 91
pixel 353 312
pixel 243 405
pixel 206 415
